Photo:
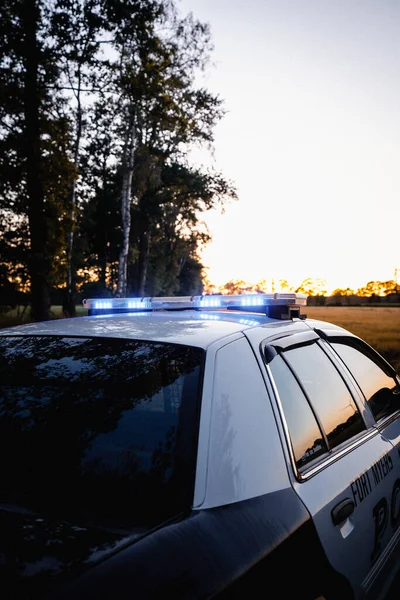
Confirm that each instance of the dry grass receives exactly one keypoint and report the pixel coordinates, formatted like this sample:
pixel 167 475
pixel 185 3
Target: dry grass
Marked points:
pixel 378 326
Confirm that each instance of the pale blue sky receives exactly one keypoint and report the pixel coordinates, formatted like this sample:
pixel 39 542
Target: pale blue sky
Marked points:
pixel 311 139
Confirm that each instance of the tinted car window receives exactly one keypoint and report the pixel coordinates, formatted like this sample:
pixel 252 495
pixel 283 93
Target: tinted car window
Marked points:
pixel 305 434
pixel 328 394
pixel 380 390
pixel 102 427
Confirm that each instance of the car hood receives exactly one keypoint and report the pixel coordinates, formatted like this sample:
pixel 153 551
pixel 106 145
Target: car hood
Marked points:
pixel 38 553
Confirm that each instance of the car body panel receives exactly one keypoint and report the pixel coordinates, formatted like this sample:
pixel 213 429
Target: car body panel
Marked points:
pixel 195 328
pixel 352 547
pixel 198 556
pixel 252 511
pixel 241 428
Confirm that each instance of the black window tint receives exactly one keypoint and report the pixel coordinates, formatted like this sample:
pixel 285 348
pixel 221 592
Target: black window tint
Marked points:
pixel 104 427
pixel 380 390
pixel 305 434
pixel 327 392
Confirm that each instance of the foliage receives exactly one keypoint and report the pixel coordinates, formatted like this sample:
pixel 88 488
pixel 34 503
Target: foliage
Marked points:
pixel 77 78
pixel 310 287
pixel 378 288
pixel 34 140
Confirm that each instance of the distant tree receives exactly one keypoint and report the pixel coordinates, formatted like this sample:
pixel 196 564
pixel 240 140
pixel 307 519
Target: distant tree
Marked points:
pixel 312 287
pixel 390 287
pixel 208 286
pixel 372 288
pixel 343 292
pixel 234 286
pixel 285 286
pixel 262 286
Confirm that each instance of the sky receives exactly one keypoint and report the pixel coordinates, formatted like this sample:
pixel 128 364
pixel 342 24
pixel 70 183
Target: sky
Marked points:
pixel 311 139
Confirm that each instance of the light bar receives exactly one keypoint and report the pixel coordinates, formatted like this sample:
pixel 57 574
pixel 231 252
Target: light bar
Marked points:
pixel 118 303
pixel 208 302
pixel 246 302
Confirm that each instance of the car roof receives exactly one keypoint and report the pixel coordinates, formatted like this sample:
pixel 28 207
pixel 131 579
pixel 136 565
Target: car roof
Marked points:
pixel 188 327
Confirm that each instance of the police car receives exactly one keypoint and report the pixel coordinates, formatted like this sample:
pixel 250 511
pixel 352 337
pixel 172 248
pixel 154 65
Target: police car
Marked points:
pixel 194 448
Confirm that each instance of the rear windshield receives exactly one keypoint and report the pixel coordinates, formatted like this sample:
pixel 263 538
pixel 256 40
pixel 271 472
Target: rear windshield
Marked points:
pixel 98 428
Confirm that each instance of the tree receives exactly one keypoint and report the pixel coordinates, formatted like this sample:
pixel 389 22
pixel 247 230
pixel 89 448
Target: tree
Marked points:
pixel 94 183
pixel 372 288
pixel 343 292
pixel 76 30
pixel 390 287
pixel 234 286
pixel 172 220
pixel 312 287
pixel 285 286
pixel 33 139
pixel 165 114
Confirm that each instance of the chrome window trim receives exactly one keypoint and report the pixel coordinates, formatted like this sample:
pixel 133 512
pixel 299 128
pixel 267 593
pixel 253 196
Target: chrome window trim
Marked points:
pixel 386 421
pixel 283 420
pixel 335 455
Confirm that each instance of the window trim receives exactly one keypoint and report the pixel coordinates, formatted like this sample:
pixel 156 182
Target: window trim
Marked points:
pixel 289 342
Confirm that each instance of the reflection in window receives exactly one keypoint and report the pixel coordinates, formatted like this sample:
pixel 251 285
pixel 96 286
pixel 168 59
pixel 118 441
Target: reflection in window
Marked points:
pixel 102 427
pixel 307 440
pixel 327 392
pixel 378 388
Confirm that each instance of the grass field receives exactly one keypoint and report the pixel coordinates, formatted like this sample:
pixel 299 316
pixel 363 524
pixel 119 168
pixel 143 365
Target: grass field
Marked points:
pixel 379 326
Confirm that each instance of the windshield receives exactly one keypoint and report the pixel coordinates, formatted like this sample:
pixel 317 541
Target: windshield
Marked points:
pixel 98 428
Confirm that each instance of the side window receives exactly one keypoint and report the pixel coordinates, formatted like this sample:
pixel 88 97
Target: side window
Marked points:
pixel 381 391
pixel 327 392
pixel 307 440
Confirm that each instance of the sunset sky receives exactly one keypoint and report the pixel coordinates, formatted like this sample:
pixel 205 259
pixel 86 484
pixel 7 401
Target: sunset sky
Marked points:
pixel 311 139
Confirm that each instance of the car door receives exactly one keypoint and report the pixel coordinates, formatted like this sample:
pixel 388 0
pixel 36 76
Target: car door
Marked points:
pixel 379 386
pixel 343 466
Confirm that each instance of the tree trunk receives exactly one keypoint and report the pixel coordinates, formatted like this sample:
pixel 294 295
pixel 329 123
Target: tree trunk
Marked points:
pixel 144 253
pixel 39 264
pixel 69 308
pixel 127 172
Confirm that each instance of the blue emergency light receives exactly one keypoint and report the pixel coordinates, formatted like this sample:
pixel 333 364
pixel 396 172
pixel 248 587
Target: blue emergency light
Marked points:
pixel 277 305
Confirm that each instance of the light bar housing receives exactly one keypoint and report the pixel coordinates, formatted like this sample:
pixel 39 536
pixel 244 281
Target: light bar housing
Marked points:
pixel 283 305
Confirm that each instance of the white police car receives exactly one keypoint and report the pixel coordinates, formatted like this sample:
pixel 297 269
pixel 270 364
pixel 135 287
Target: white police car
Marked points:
pixel 192 448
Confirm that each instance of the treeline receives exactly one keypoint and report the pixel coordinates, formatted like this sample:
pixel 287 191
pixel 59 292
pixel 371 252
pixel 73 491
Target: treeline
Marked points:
pixel 373 291
pixel 354 300
pixel 99 109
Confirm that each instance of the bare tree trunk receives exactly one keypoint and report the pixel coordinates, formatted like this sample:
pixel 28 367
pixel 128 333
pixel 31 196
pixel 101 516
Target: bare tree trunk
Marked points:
pixel 127 172
pixel 39 264
pixel 143 261
pixel 69 309
pixel 103 258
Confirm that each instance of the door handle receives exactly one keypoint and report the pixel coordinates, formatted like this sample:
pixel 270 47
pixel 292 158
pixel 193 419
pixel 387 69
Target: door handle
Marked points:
pixel 342 511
